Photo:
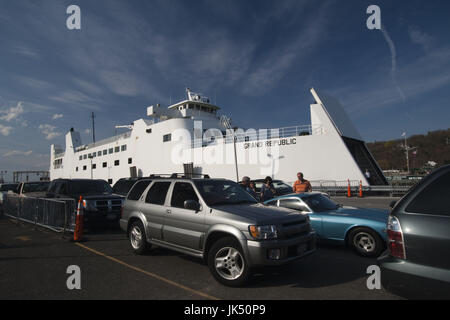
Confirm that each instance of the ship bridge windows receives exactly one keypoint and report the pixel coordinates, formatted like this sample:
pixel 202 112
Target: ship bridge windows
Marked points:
pixel 57 163
pixel 110 150
pixel 81 157
pixel 105 152
pixel 99 154
pixel 123 148
pixel 116 149
pixel 85 156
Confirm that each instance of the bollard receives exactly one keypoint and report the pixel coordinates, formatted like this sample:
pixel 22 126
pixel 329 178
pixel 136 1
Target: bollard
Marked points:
pixel 349 192
pixel 78 232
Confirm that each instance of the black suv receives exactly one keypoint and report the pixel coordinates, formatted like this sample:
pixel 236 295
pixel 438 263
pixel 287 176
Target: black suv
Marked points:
pixel 417 263
pixel 99 202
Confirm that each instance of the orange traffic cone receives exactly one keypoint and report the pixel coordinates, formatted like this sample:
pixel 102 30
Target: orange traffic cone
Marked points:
pixel 78 233
pixel 360 189
pixel 349 192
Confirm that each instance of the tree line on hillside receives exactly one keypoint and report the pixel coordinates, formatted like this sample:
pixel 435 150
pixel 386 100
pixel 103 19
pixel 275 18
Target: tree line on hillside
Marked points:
pixel 432 147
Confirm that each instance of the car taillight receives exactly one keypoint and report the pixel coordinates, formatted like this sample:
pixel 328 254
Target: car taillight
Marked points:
pixel 396 243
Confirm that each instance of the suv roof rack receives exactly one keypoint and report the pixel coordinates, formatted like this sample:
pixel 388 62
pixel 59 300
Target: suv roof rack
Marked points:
pixel 180 175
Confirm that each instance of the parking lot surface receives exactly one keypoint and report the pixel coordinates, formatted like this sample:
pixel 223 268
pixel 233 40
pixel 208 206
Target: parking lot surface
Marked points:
pixel 34 262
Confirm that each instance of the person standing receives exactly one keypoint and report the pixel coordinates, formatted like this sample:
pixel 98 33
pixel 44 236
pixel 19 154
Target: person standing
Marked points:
pixel 367 174
pixel 301 185
pixel 246 185
pixel 252 190
pixel 267 189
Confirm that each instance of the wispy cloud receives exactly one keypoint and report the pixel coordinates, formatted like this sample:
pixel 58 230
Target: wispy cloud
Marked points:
pixel 419 76
pixel 393 60
pixel 5 130
pixel 12 113
pixel 419 37
pixel 57 116
pixel 49 131
pixel 26 52
pixel 33 82
pixel 17 153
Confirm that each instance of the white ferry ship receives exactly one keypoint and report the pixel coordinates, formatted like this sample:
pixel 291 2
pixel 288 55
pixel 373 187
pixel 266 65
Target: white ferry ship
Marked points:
pixel 190 137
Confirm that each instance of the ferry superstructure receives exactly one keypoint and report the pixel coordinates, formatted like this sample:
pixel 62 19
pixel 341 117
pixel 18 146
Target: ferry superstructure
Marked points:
pixel 191 137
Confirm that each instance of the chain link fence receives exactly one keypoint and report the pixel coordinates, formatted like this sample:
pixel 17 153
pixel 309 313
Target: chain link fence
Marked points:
pixel 58 215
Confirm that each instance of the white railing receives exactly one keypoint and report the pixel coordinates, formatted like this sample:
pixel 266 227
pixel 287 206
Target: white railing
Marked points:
pixel 263 134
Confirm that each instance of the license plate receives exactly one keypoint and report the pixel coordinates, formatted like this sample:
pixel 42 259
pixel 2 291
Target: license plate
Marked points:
pixel 301 249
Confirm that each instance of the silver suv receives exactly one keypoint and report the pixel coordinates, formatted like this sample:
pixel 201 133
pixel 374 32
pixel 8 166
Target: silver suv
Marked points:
pixel 216 220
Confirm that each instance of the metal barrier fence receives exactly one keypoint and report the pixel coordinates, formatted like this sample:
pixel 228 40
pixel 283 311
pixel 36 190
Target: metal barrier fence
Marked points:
pixel 57 215
pixel 339 188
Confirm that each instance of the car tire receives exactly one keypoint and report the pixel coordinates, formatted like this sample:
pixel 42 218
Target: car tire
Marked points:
pixel 227 262
pixel 366 242
pixel 138 238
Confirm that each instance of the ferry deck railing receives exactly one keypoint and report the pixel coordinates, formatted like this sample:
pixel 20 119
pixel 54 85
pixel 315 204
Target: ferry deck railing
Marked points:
pixel 251 135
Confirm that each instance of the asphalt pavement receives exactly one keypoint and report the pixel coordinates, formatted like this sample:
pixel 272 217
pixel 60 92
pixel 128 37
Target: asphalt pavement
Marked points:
pixel 34 263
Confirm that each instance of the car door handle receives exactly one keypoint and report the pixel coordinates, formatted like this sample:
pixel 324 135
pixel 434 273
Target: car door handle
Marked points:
pixel 169 211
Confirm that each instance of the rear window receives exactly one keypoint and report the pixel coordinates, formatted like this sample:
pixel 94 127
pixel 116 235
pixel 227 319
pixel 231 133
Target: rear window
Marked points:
pixel 138 189
pixel 434 199
pixel 123 186
pixel 35 187
pixel 8 187
pixel 89 187
pixel 157 193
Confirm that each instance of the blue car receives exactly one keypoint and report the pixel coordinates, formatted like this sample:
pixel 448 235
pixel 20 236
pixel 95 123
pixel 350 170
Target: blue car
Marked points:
pixel 362 229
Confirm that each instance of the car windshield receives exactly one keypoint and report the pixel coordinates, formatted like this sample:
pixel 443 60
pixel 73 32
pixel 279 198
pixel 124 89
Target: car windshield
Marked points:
pixel 319 203
pixel 90 187
pixel 35 187
pixel 281 186
pixel 222 192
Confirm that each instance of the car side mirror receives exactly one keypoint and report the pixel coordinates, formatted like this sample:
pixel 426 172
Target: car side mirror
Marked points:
pixel 192 205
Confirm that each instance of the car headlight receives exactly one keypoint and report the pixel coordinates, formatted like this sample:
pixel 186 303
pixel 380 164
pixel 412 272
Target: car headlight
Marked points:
pixel 89 205
pixel 263 232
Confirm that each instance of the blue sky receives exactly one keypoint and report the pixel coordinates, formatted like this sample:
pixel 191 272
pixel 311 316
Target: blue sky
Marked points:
pixel 256 59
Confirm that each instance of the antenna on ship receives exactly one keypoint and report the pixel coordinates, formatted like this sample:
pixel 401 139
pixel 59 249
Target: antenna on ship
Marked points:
pixel 93 126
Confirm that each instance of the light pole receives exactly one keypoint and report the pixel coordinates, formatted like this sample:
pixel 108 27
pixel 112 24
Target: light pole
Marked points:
pixel 226 122
pixel 91 157
pixel 273 163
pixel 407 148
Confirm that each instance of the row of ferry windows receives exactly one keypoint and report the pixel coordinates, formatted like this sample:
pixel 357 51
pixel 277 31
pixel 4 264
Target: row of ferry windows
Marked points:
pixel 197 107
pixel 105 164
pixel 104 152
